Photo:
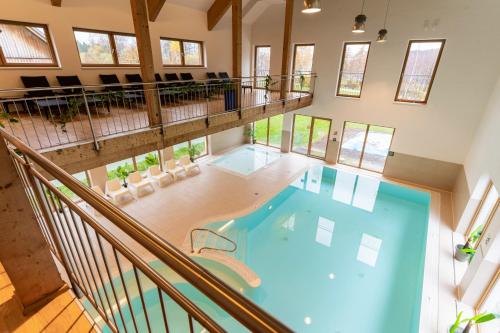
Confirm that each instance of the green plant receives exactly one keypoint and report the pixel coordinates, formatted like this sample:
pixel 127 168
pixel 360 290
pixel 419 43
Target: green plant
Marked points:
pixel 268 83
pixel 193 151
pixel 4 115
pixel 474 236
pixel 67 114
pixel 250 133
pixel 302 79
pixel 123 171
pixel 476 320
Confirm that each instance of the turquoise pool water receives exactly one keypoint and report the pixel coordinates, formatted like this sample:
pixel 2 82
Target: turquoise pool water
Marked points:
pixel 335 252
pixel 247 159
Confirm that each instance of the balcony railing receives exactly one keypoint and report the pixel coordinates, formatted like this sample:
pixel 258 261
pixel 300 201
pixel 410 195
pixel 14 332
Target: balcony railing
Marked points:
pixel 135 280
pixel 48 118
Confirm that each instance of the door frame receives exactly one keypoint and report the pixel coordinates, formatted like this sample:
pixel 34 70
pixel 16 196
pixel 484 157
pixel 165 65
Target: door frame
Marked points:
pixel 309 144
pixel 364 146
pixel 267 144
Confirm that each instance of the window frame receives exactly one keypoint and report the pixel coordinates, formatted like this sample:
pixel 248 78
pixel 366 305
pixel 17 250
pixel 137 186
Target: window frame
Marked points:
pixel 434 71
pixel 364 146
pixel 189 145
pixel 112 43
pixel 183 60
pixel 342 67
pixel 53 54
pixel 295 46
pixel 255 64
pixel 311 129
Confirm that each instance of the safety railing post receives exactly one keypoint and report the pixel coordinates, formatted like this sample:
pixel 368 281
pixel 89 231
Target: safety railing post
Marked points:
pixel 87 109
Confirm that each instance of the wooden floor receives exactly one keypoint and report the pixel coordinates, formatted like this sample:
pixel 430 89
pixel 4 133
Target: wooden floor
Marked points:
pixel 62 314
pixel 43 128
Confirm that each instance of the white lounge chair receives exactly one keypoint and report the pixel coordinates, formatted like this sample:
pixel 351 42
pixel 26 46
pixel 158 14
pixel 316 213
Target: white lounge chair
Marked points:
pixel 162 178
pixel 187 165
pixel 173 168
pixel 139 184
pixel 116 192
pixel 99 191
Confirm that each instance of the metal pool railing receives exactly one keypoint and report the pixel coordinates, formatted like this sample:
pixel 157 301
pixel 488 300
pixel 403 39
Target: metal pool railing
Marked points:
pixel 121 267
pixel 49 118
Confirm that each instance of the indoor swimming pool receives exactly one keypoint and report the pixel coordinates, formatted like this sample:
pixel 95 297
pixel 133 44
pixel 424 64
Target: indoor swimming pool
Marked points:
pixel 247 159
pixel 336 252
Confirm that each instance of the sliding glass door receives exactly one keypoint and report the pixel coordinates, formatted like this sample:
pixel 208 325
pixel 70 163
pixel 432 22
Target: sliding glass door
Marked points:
pixel 365 146
pixel 268 131
pixel 310 135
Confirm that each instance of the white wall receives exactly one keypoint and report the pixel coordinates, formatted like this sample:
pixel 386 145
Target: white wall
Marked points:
pixel 444 128
pixel 114 15
pixel 229 138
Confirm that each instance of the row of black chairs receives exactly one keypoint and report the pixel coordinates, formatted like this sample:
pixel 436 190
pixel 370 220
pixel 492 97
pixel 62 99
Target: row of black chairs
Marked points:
pixel 47 98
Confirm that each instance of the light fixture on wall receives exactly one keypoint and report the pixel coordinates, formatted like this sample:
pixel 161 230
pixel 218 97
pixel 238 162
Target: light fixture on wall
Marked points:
pixel 359 21
pixel 382 33
pixel 311 6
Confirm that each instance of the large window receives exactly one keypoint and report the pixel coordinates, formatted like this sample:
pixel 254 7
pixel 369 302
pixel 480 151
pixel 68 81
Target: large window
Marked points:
pixel 352 69
pixel 262 64
pixel 181 53
pixel 25 44
pixel 198 145
pixel 268 131
pixel 303 55
pixel 81 176
pixel 365 146
pixel 102 48
pixel 419 69
pixel 310 135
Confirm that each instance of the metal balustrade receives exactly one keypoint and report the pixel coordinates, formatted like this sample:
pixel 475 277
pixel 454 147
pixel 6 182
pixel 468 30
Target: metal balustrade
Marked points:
pixel 135 280
pixel 49 118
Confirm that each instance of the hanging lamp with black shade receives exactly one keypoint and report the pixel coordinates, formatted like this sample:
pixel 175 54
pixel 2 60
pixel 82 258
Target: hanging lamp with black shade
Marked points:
pixel 359 21
pixel 382 33
pixel 311 6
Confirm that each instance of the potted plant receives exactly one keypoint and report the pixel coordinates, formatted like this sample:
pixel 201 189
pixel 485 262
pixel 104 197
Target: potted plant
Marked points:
pixel 193 151
pixel 250 134
pixel 476 320
pixel 122 173
pixel 465 251
pixel 5 115
pixel 268 83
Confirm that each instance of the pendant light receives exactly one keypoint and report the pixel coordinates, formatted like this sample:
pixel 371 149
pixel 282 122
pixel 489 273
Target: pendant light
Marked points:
pixel 382 33
pixel 311 6
pixel 359 21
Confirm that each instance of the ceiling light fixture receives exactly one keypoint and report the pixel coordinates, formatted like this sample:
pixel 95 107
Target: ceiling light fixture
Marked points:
pixel 382 33
pixel 311 6
pixel 359 21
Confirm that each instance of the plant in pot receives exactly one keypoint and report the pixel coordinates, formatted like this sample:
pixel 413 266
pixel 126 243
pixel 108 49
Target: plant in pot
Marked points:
pixel 250 134
pixel 268 83
pixel 122 173
pixel 69 113
pixel 464 252
pixel 193 151
pixel 476 320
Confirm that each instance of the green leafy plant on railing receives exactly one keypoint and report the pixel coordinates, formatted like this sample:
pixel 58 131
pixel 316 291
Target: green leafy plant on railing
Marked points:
pixel 474 236
pixel 268 83
pixel 69 113
pixel 476 320
pixel 5 116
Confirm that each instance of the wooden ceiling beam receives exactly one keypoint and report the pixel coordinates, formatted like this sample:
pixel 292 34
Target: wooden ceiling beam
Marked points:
pixel 216 12
pixel 154 8
pixel 56 3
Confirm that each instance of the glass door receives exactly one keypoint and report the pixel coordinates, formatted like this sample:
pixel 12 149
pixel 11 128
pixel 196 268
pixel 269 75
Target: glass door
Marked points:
pixel 365 146
pixel 268 131
pixel 310 135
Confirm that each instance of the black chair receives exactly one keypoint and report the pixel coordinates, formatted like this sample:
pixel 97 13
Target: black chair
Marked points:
pixel 224 76
pixel 136 78
pixel 93 99
pixel 118 90
pixel 171 77
pixel 50 101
